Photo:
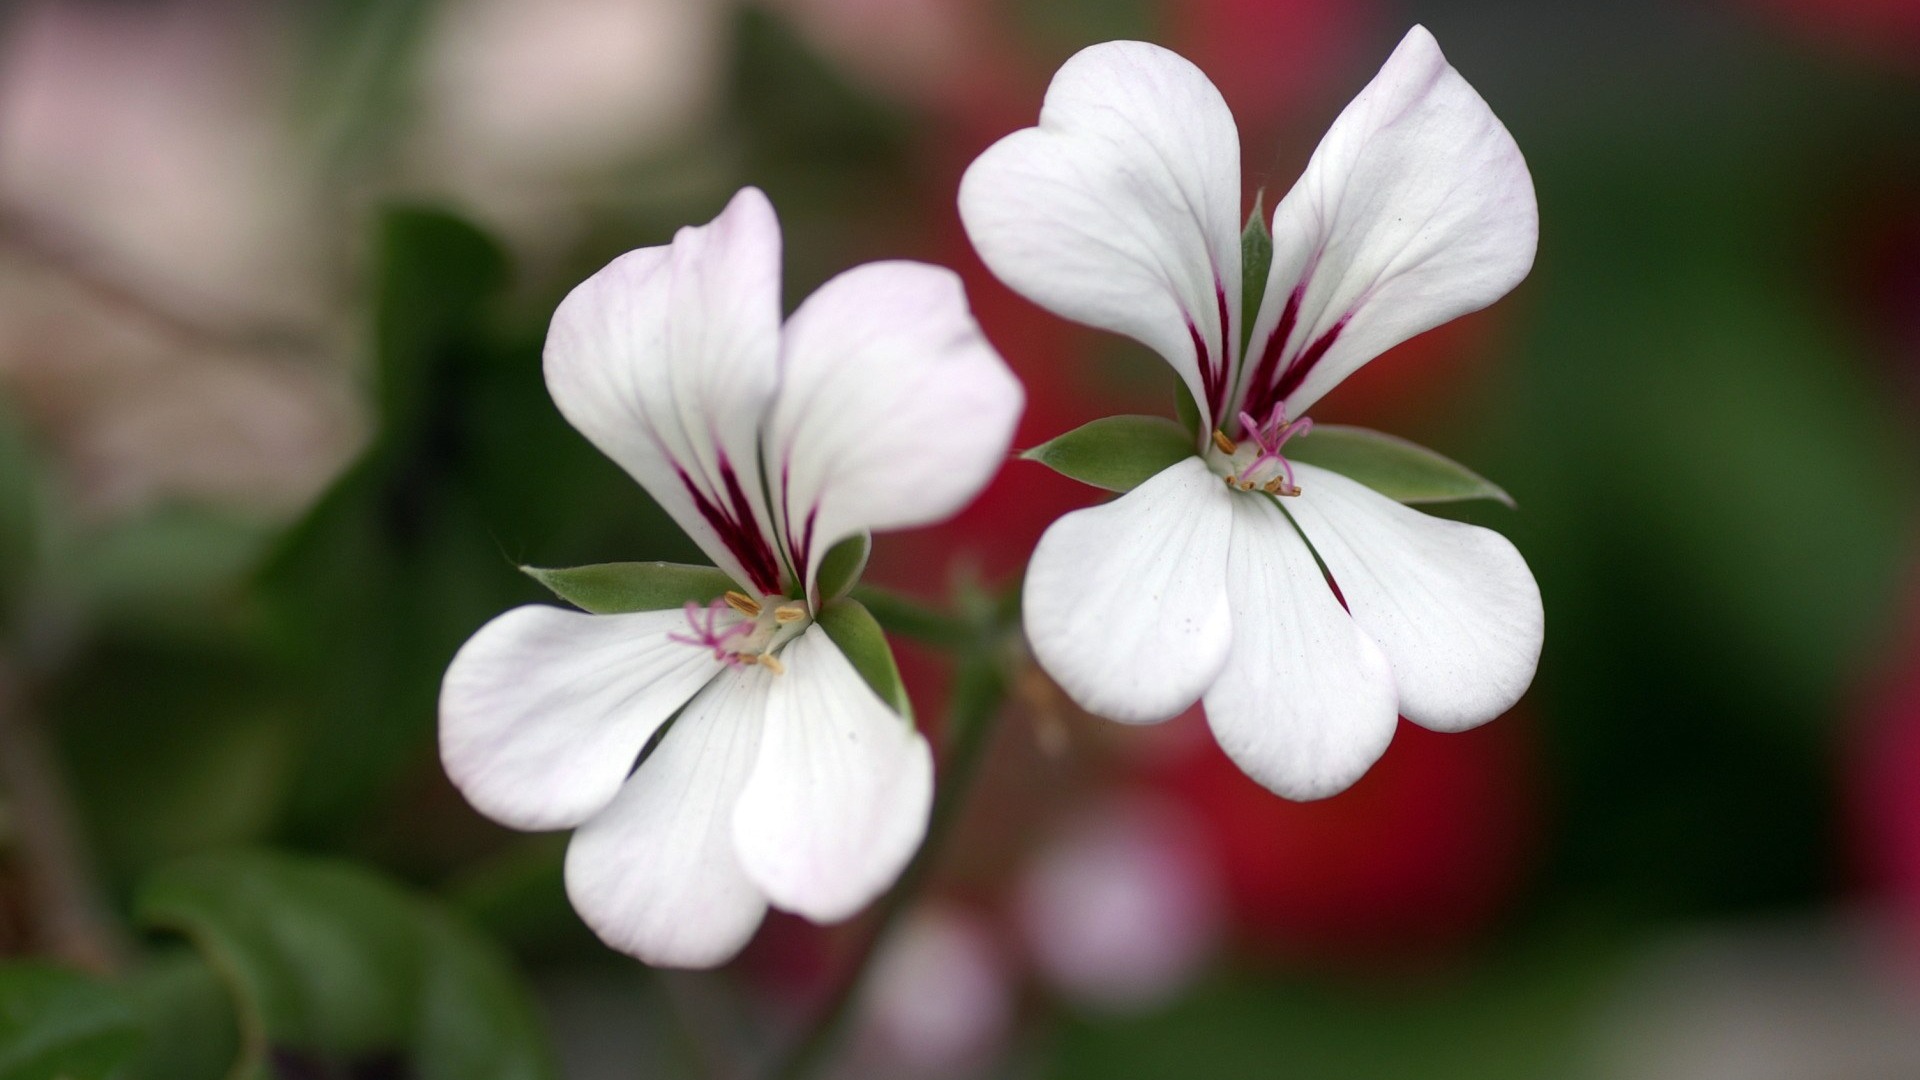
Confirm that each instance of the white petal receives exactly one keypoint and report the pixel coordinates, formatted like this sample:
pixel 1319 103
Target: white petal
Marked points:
pixel 543 711
pixel 1452 605
pixel 655 874
pixel 1415 209
pixel 838 801
pixel 1125 604
pixel 1121 210
pixel 1306 702
pixel 666 360
pixel 893 410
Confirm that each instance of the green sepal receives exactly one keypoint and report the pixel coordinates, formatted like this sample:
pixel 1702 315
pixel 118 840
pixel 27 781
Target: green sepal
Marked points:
pixel 1118 453
pixel 1256 259
pixel 840 568
pixel 1185 407
pixel 859 637
pixel 1394 467
pixel 617 588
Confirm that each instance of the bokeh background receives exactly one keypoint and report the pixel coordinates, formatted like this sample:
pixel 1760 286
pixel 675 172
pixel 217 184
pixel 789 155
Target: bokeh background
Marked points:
pixel 273 281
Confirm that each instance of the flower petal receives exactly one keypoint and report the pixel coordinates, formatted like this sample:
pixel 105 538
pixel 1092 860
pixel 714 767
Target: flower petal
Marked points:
pixel 655 874
pixel 1306 703
pixel 543 711
pixel 893 410
pixel 1415 209
pixel 1121 209
pixel 838 801
pixel 1452 605
pixel 666 360
pixel 1125 603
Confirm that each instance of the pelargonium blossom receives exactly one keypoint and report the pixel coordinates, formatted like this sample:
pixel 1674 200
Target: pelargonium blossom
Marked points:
pixel 776 773
pixel 1304 609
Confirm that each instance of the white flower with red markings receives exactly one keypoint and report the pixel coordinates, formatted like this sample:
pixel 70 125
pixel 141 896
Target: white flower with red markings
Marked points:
pixel 769 768
pixel 1303 607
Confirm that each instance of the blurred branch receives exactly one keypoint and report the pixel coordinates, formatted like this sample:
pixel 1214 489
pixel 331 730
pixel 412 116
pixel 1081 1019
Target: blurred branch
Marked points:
pixel 69 918
pixel 70 259
pixel 978 695
pixel 912 619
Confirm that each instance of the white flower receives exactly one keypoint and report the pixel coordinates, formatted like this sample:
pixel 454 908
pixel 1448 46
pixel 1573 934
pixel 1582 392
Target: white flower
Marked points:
pixel 783 778
pixel 1120 210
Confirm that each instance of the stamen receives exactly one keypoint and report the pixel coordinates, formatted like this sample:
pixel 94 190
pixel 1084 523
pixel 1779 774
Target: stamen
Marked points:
pixel 1227 446
pixel 789 613
pixel 708 634
pixel 771 663
pixel 742 603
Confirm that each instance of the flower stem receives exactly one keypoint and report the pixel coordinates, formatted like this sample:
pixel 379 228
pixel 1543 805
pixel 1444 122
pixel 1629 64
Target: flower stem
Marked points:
pixel 70 921
pixel 912 619
pixel 979 692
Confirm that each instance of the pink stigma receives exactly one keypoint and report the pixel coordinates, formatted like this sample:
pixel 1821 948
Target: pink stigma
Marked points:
pixel 1270 437
pixel 708 633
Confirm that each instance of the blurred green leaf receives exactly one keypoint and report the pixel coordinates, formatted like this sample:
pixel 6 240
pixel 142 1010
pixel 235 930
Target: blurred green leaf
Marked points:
pixel 840 568
pixel 614 588
pixel 191 1030
pixel 59 1025
pixel 436 276
pixel 1520 1017
pixel 1118 453
pixel 330 963
pixel 854 629
pixel 1392 466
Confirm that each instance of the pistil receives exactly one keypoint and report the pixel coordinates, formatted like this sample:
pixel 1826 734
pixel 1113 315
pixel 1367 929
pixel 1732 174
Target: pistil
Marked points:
pixel 1269 440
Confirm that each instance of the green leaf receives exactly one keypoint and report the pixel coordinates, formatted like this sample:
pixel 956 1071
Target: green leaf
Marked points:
pixel 1118 453
pixel 614 588
pixel 59 1025
pixel 1256 258
pixel 840 568
pixel 1393 466
pixel 854 629
pixel 331 965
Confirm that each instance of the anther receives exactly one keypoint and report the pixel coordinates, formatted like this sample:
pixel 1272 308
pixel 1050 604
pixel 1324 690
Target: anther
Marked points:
pixel 771 663
pixel 742 603
pixel 789 613
pixel 1227 446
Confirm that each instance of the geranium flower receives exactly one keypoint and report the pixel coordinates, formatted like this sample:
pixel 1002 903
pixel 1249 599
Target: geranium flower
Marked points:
pixel 783 777
pixel 1206 581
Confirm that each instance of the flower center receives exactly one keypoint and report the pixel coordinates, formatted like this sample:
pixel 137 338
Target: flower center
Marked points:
pixel 742 631
pixel 1258 462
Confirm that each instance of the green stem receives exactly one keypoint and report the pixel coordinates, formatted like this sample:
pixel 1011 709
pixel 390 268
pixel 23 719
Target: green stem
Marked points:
pixel 978 695
pixel 912 619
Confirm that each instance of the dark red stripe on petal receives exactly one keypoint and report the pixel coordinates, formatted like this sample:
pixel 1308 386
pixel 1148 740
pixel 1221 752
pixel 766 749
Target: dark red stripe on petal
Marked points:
pixel 737 527
pixel 1260 389
pixel 1298 371
pixel 1206 368
pixel 1217 393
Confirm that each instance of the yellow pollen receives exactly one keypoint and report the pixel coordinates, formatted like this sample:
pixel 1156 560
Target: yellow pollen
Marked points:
pixel 1225 444
pixel 771 663
pixel 789 613
pixel 1246 485
pixel 1228 479
pixel 742 603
